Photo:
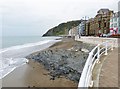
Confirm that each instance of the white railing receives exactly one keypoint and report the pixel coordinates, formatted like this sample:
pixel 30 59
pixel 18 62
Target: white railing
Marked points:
pixel 93 58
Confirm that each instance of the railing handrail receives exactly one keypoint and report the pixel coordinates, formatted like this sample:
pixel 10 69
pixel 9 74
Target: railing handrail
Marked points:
pixel 86 76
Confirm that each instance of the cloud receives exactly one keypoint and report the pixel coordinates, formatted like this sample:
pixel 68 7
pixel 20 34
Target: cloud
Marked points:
pixel 37 16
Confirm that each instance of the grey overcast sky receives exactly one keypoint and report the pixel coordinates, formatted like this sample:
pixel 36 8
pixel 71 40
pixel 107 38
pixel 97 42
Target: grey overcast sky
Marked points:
pixel 35 17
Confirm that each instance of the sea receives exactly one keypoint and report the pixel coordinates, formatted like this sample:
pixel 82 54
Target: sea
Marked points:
pixel 14 49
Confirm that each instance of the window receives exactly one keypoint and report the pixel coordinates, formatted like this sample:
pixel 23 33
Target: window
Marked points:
pixel 119 22
pixel 104 24
pixel 111 25
pixel 115 25
pixel 111 20
pixel 115 19
pixel 99 25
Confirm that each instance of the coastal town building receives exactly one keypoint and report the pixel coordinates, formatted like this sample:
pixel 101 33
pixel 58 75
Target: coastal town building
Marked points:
pixel 73 31
pixel 92 27
pixel 114 24
pixel 105 22
pixel 119 16
pixel 102 20
pixel 81 28
pixel 87 29
pixel 118 22
pixel 100 23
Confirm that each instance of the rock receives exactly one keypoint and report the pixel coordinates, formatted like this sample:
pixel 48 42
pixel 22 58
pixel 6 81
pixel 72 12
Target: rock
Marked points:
pixel 85 50
pixel 61 62
pixel 52 78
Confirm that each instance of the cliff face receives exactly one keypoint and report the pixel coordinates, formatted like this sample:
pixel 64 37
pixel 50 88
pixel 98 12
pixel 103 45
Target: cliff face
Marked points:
pixel 62 29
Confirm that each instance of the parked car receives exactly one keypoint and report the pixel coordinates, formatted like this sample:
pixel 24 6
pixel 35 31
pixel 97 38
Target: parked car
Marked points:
pixel 102 35
pixel 108 35
pixel 105 35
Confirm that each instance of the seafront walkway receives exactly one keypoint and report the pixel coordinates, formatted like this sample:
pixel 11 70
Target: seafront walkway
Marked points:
pixel 96 40
pixel 105 72
pixel 109 70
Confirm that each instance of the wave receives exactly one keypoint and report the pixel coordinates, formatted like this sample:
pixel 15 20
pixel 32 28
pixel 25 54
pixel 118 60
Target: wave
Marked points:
pixel 9 63
pixel 24 46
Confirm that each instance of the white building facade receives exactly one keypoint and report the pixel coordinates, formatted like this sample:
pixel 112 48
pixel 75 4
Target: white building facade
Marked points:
pixel 81 28
pixel 114 24
pixel 73 31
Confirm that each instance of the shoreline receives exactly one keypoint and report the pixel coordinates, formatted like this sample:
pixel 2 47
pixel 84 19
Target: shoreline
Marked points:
pixel 11 58
pixel 33 74
pixel 29 74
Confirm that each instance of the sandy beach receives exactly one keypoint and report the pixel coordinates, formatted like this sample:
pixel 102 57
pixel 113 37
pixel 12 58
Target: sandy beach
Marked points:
pixel 33 74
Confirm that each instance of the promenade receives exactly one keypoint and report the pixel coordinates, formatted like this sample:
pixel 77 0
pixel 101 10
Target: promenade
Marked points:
pixel 96 40
pixel 109 71
pixel 105 72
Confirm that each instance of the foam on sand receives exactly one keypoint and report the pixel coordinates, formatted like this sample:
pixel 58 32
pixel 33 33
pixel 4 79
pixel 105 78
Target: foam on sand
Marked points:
pixel 9 64
pixel 13 57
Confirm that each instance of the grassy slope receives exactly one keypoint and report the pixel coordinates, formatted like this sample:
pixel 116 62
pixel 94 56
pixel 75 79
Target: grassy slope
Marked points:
pixel 62 29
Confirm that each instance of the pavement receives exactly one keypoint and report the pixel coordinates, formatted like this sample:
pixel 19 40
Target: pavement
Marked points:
pixel 97 40
pixel 109 71
pixel 105 73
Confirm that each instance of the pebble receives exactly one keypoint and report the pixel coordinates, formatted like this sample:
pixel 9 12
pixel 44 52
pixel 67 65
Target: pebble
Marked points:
pixel 61 62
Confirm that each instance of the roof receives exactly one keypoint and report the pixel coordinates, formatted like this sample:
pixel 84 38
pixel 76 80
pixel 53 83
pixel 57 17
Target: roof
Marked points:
pixel 91 19
pixel 103 10
pixel 115 14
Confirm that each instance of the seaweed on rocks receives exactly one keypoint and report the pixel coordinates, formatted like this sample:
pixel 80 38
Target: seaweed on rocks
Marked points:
pixel 63 62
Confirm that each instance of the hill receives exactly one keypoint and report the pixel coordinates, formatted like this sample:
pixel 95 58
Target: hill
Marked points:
pixel 62 29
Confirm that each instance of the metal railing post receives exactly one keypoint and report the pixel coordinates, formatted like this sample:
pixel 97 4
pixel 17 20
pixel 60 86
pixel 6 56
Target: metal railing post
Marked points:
pixel 86 76
pixel 106 45
pixel 98 52
pixel 112 45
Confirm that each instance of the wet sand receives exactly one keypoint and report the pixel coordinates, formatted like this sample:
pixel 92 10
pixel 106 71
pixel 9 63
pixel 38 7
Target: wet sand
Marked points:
pixel 34 74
